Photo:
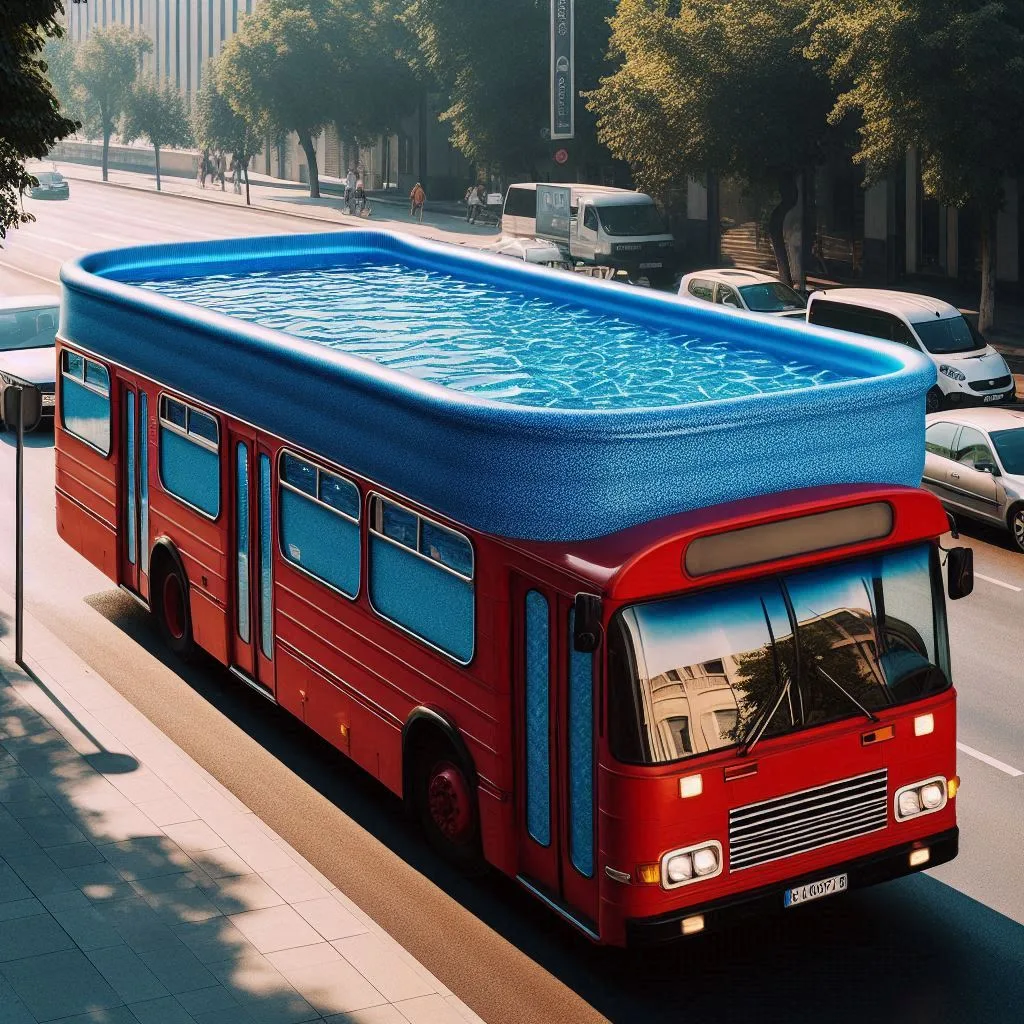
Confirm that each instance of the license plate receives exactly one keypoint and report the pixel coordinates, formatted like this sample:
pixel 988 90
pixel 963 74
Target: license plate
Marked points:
pixel 47 400
pixel 816 890
pixel 992 398
pixel 650 266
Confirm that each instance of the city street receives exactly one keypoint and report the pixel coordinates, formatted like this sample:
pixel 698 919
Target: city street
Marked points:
pixel 947 945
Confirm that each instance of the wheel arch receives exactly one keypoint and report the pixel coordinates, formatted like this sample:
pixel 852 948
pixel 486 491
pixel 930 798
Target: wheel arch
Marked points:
pixel 422 723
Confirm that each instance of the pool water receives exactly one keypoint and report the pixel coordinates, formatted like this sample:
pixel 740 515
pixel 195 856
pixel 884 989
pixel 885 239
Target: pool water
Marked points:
pixel 495 342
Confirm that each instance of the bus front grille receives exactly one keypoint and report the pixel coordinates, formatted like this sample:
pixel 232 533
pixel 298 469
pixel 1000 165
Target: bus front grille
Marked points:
pixel 807 820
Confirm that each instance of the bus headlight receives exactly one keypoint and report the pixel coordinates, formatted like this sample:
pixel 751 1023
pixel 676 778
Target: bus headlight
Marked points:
pixel 919 798
pixel 691 864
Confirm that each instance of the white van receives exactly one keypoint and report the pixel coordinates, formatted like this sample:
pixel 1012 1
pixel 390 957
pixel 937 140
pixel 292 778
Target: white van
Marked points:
pixel 970 371
pixel 595 225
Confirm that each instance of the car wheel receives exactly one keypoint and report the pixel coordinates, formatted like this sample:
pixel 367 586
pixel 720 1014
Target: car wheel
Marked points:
pixel 1015 521
pixel 934 401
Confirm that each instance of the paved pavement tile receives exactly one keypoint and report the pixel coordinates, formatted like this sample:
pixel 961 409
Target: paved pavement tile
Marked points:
pixel 432 1009
pixel 11 886
pixel 147 857
pixel 275 928
pixel 40 874
pixel 385 1014
pixel 335 987
pixel 194 836
pixel 88 927
pixel 241 893
pixel 206 1000
pixel 12 1009
pixel 50 830
pixel 177 968
pixel 76 855
pixel 31 936
pixel 294 884
pixel 214 941
pixel 15 909
pixel 167 811
pixel 222 863
pixel 378 964
pixel 178 905
pixel 303 956
pixel 330 918
pixel 127 974
pixel 262 990
pixel 113 1015
pixel 161 1011
pixel 137 923
pixel 81 987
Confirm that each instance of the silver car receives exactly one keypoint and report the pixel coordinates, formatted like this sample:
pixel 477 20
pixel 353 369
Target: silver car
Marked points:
pixel 974 464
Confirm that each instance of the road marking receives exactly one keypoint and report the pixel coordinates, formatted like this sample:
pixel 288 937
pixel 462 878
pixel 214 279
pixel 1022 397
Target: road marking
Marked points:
pixel 21 270
pixel 990 761
pixel 55 241
pixel 998 583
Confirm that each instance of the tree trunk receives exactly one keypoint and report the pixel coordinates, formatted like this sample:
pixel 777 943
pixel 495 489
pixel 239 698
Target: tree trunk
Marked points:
pixel 245 171
pixel 156 153
pixel 987 304
pixel 107 128
pixel 789 195
pixel 306 142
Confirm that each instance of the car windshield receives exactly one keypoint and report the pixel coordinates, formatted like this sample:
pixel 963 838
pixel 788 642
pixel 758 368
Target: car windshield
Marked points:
pixel 771 297
pixel 28 328
pixel 1010 446
pixel 48 178
pixel 692 674
pixel 944 337
pixel 631 219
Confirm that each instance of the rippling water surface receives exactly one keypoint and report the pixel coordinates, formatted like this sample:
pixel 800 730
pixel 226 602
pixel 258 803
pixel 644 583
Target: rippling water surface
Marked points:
pixel 491 341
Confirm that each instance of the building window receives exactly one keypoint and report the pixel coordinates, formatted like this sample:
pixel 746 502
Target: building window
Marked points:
pixel 421 578
pixel 85 400
pixel 190 455
pixel 319 523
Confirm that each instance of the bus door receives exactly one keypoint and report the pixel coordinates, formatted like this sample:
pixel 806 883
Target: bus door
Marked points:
pixel 252 646
pixel 134 489
pixel 555 762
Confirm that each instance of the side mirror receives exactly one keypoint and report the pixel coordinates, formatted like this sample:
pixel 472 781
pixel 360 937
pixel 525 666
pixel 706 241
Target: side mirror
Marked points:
pixel 959 572
pixel 31 406
pixel 987 467
pixel 586 623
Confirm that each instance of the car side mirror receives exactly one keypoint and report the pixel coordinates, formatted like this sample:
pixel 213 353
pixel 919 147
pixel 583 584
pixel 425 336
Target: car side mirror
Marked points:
pixel 586 623
pixel 987 467
pixel 959 572
pixel 31 406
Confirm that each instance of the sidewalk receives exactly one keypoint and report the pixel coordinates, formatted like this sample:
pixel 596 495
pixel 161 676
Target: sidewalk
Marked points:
pixel 136 889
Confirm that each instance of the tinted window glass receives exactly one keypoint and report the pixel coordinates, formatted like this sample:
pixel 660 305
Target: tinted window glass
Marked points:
pixel 972 447
pixel 938 438
pixel 521 202
pixel 97 376
pixel 1010 445
pixel 339 494
pixel 175 412
pixel 844 317
pixel 28 328
pixel 702 290
pixel 590 219
pixel 725 296
pixel 631 219
pixel 201 425
pixel 74 365
pixel 447 548
pixel 950 335
pixel 299 474
pixel 399 525
pixel 771 297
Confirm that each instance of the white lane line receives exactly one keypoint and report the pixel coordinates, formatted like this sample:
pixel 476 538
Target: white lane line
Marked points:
pixel 990 761
pixel 55 241
pixel 22 270
pixel 998 583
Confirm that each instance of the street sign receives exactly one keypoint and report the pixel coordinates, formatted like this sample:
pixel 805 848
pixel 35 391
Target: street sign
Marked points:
pixel 563 70
pixel 561 156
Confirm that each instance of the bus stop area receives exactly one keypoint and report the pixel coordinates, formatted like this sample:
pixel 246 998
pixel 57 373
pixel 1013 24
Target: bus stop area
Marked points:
pixel 136 889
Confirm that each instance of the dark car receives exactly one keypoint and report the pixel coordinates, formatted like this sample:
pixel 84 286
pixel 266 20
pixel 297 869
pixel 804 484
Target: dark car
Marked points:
pixel 51 186
pixel 28 327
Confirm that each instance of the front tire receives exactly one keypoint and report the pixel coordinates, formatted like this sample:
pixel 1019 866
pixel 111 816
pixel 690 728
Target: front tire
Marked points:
pixel 1015 521
pixel 935 400
pixel 170 604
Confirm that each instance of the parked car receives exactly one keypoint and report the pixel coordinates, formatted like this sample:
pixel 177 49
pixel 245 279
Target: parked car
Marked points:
pixel 970 371
pixel 52 185
pixel 744 289
pixel 974 464
pixel 530 250
pixel 28 327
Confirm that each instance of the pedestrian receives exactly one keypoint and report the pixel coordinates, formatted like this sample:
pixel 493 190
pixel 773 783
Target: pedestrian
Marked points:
pixel 417 197
pixel 476 200
pixel 222 167
pixel 351 180
pixel 201 176
pixel 236 173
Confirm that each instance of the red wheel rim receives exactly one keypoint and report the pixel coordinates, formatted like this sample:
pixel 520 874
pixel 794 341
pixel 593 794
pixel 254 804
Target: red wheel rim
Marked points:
pixel 174 606
pixel 450 802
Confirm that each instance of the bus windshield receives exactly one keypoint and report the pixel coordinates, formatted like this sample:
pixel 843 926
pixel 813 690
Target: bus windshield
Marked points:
pixel 688 675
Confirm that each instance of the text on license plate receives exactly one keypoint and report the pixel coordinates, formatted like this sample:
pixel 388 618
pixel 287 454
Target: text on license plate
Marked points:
pixel 992 398
pixel 650 266
pixel 815 890
pixel 47 399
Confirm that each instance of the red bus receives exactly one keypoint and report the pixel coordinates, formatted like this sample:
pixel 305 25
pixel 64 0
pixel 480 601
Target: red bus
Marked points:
pixel 719 710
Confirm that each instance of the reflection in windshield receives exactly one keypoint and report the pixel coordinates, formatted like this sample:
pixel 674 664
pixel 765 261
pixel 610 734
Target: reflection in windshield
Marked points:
pixel 693 674
pixel 771 297
pixel 28 328
pixel 943 337
pixel 1010 446
pixel 632 219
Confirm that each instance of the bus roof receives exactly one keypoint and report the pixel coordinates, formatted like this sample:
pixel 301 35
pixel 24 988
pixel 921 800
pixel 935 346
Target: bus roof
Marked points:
pixel 490 460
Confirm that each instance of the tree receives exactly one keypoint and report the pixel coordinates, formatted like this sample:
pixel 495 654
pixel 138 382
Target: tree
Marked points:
pixel 943 76
pixel 491 57
pixel 106 66
pixel 155 111
pixel 31 122
pixel 216 125
pixel 706 86
pixel 59 53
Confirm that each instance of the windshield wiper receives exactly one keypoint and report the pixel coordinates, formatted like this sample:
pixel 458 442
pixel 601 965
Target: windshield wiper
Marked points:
pixel 846 693
pixel 759 727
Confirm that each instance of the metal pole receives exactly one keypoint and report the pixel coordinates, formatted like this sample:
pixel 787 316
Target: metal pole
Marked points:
pixel 19 533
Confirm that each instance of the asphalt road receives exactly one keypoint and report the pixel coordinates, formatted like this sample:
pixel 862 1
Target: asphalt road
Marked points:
pixel 943 946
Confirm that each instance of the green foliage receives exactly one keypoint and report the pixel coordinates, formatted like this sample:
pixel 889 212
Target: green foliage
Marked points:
pixel 59 53
pixel 712 86
pixel 217 125
pixel 155 111
pixel 491 57
pixel 32 123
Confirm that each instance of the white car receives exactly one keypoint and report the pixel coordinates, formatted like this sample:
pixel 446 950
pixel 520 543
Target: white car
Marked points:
pixel 743 289
pixel 970 371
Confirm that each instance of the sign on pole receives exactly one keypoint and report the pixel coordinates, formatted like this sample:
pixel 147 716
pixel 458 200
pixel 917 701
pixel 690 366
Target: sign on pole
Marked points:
pixel 563 70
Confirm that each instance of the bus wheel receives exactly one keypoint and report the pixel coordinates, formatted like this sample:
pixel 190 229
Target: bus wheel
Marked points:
pixel 171 608
pixel 446 805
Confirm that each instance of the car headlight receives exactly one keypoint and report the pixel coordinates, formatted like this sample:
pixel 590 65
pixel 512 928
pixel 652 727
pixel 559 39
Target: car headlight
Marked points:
pixel 919 798
pixel 691 864
pixel 952 373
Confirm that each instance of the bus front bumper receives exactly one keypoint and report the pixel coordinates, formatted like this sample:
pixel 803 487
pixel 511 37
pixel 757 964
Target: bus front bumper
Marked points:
pixel 720 914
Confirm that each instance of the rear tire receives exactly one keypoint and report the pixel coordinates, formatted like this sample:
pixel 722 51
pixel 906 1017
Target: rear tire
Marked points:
pixel 935 400
pixel 170 604
pixel 1015 521
pixel 445 802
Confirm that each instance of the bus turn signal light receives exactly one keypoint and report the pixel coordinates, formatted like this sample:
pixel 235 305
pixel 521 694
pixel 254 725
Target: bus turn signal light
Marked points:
pixel 952 785
pixel 879 735
pixel 649 874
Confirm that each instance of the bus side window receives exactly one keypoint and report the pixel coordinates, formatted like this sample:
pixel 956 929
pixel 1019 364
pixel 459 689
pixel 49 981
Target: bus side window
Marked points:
pixel 189 456
pixel 85 400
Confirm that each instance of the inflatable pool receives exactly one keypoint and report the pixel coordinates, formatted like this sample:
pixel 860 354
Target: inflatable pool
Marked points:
pixel 516 400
